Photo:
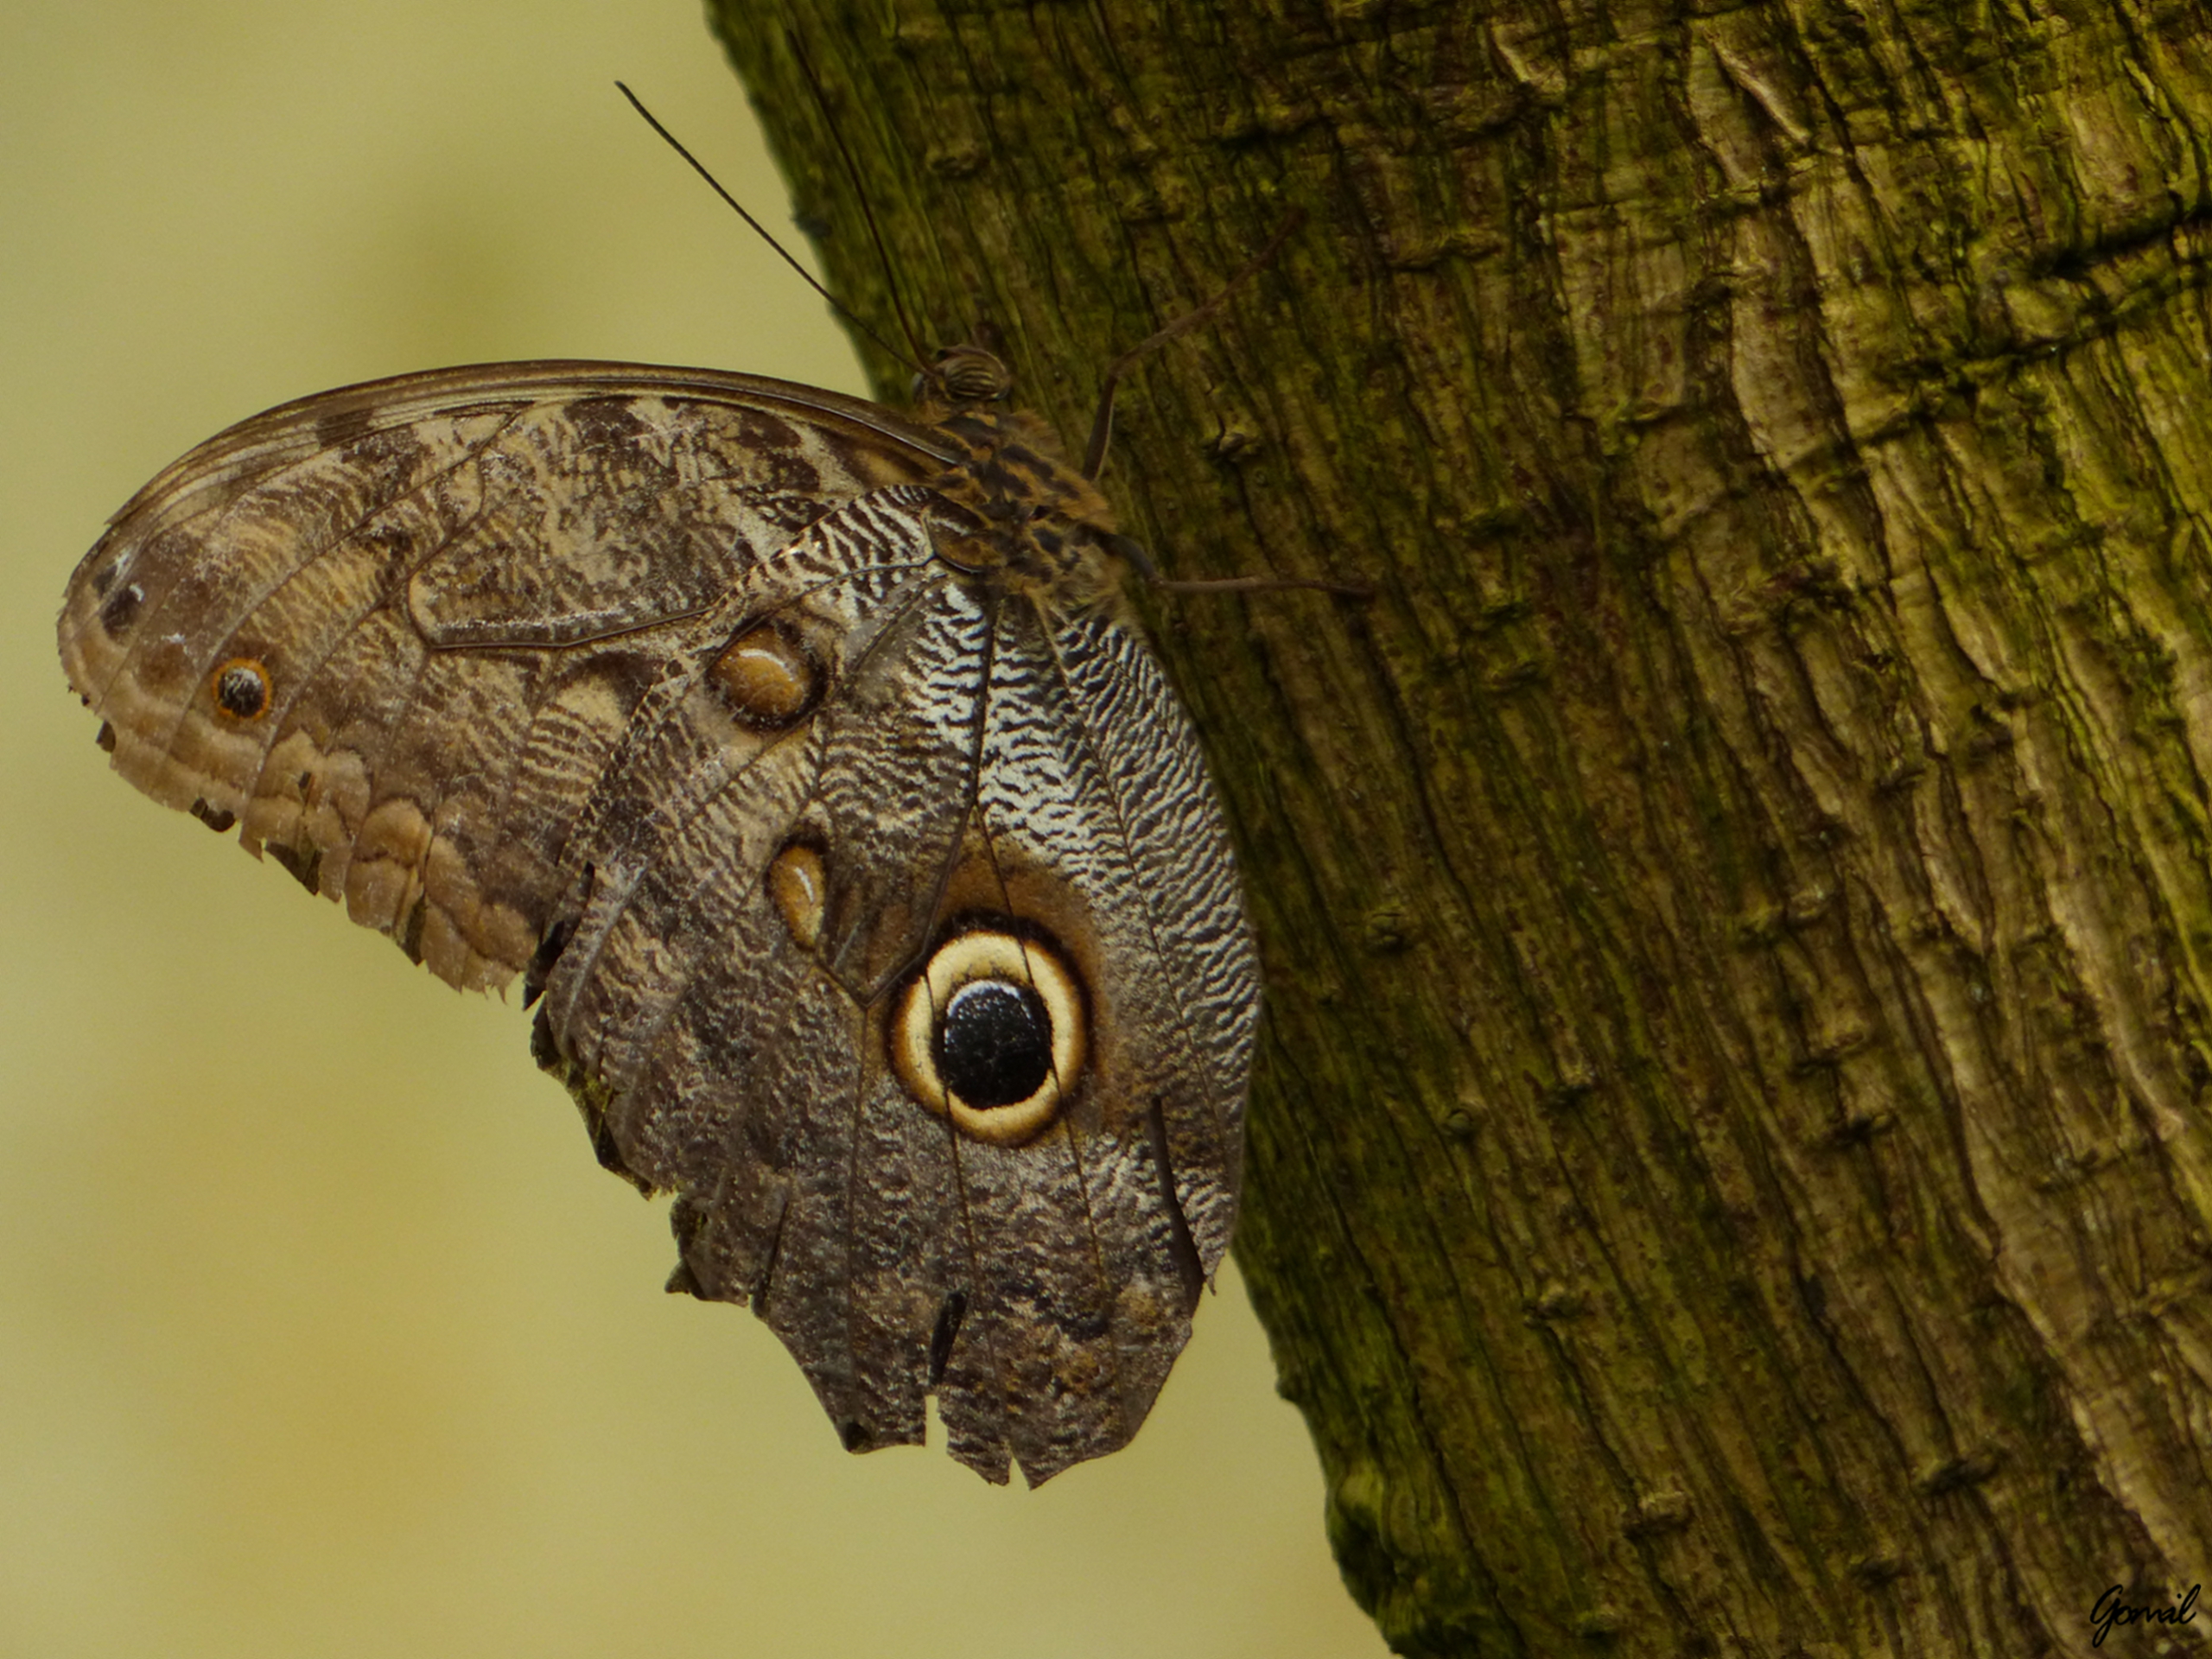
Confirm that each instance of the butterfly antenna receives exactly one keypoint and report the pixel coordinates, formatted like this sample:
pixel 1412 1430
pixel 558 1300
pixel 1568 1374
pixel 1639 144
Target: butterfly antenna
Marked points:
pixel 860 194
pixel 1101 425
pixel 758 229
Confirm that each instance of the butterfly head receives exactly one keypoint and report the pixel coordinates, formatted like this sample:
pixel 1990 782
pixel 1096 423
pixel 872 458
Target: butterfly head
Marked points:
pixel 962 377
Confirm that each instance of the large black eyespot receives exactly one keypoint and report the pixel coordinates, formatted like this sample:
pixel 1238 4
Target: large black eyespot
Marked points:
pixel 995 1044
pixel 991 1034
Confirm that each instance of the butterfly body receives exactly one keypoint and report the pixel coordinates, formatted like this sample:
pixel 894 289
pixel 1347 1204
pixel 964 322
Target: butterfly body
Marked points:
pixel 807 761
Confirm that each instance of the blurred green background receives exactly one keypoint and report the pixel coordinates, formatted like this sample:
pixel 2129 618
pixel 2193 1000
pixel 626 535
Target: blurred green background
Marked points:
pixel 320 1332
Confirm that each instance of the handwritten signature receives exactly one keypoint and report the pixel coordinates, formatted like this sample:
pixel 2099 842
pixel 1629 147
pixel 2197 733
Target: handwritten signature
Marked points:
pixel 2111 1610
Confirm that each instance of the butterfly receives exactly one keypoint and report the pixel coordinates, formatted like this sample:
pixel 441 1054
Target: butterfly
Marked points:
pixel 806 762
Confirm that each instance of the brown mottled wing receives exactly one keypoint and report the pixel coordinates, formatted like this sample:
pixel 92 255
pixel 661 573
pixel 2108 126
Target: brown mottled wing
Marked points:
pixel 395 632
pixel 970 755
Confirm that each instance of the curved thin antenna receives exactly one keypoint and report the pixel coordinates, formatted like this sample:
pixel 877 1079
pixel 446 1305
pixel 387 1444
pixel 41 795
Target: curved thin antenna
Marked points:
pixel 860 194
pixel 761 230
pixel 1101 425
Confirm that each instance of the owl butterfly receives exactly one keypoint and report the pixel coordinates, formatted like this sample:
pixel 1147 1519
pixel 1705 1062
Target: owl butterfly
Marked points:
pixel 807 764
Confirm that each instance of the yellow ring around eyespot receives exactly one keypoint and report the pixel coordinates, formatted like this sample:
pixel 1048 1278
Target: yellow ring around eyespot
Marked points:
pixel 963 961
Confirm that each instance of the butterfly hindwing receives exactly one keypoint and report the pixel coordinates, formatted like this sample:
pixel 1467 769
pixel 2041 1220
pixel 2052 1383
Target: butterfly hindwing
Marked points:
pixel 1040 1288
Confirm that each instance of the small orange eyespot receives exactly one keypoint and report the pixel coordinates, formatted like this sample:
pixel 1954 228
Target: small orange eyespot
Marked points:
pixel 767 677
pixel 240 688
pixel 800 888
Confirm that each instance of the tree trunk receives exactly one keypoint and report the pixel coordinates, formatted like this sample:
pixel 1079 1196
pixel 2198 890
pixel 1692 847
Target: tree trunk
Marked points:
pixel 1728 1168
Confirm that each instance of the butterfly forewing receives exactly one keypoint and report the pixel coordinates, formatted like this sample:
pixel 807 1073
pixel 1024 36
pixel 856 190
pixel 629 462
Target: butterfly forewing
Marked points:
pixel 870 888
pixel 401 577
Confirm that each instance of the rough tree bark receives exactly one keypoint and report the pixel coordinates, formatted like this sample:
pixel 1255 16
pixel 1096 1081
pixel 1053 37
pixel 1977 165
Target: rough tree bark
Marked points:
pixel 1729 1168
